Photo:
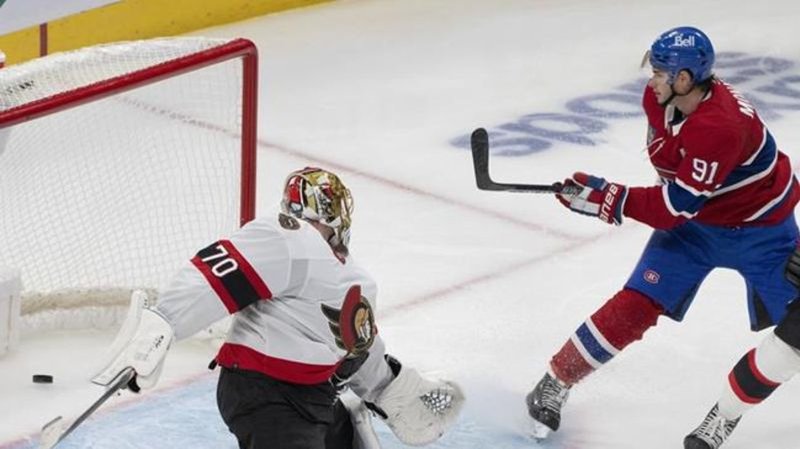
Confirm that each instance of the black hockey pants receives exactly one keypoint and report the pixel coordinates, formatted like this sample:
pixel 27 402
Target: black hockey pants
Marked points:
pixel 265 413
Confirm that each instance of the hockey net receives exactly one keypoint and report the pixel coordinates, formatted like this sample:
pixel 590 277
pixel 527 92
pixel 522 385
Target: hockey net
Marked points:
pixel 117 162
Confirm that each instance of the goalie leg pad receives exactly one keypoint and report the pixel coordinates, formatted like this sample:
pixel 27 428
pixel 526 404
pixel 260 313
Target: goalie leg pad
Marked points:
pixel 420 410
pixel 360 418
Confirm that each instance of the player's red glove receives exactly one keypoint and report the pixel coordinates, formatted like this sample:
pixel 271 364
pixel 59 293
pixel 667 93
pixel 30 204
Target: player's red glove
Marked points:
pixel 596 197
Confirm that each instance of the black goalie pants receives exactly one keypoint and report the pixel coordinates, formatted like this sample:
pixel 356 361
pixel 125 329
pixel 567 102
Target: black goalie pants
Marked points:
pixel 265 413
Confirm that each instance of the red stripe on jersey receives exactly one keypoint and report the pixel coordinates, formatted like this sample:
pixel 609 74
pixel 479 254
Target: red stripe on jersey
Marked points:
pixel 248 270
pixel 751 362
pixel 216 284
pixel 744 397
pixel 237 356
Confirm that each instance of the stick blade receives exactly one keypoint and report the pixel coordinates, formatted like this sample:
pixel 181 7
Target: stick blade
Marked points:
pixel 56 430
pixel 479 141
pixel 51 433
pixel 479 137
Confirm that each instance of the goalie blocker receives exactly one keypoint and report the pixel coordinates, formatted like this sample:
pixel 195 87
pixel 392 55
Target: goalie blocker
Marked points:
pixel 141 343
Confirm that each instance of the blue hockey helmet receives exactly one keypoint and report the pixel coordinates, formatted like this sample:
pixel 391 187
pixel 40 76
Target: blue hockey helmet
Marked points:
pixel 683 48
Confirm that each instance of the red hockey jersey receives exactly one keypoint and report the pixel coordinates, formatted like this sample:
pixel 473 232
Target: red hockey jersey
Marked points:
pixel 718 165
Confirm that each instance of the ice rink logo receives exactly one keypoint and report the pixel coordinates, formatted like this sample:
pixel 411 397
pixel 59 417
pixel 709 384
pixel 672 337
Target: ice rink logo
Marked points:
pixel 772 86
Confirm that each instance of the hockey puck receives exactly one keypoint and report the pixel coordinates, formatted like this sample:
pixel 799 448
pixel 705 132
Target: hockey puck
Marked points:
pixel 42 379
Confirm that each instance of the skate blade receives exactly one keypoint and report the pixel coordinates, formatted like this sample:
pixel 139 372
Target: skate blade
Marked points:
pixel 538 431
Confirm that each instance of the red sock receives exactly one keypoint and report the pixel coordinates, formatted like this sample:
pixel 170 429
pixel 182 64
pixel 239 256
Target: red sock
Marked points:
pixel 622 320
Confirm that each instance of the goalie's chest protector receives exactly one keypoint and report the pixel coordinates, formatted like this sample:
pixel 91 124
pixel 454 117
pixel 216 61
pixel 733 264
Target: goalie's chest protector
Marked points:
pixel 320 308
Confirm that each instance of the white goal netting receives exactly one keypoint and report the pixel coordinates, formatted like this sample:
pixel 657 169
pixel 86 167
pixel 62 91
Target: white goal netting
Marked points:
pixel 117 162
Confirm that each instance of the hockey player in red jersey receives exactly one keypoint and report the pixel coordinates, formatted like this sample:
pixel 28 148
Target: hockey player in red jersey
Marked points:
pixel 303 330
pixel 726 198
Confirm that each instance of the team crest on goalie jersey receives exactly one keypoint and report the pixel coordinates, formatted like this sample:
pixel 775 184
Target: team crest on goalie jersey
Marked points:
pixel 353 325
pixel 288 222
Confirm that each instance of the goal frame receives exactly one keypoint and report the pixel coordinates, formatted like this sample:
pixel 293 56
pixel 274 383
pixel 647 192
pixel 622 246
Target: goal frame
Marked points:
pixel 236 48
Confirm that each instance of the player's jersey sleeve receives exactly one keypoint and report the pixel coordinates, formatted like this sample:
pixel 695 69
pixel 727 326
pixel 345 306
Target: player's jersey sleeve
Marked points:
pixel 712 155
pixel 227 276
pixel 374 375
pixel 720 165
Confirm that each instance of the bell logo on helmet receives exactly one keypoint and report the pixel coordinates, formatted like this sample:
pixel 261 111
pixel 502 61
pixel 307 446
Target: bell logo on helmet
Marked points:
pixel 681 41
pixel 683 48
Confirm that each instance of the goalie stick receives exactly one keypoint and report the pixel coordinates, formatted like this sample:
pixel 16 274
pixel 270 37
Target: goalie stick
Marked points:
pixel 480 160
pixel 55 431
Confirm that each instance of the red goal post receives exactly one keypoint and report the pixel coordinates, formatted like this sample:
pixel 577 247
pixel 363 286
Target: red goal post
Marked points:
pixel 118 161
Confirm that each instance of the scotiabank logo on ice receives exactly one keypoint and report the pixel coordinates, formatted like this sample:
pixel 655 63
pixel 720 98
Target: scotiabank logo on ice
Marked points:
pixel 770 83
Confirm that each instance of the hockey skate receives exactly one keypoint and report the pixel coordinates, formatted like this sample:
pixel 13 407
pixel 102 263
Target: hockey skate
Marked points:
pixel 712 432
pixel 544 405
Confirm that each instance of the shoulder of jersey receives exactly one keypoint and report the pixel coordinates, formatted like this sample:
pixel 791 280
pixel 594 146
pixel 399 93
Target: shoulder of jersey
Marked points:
pixel 714 117
pixel 302 239
pixel 280 224
pixel 722 107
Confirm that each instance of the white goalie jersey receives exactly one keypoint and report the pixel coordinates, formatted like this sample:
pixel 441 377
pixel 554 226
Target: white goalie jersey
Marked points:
pixel 299 309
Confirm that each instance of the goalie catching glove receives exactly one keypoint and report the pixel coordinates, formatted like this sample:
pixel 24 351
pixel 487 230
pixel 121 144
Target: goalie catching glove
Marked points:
pixel 418 410
pixel 141 344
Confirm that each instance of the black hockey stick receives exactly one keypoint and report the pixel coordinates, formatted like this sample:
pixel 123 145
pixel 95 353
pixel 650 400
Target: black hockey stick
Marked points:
pixel 480 160
pixel 54 431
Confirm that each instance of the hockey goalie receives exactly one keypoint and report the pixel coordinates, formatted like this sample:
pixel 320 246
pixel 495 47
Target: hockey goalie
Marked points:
pixel 303 365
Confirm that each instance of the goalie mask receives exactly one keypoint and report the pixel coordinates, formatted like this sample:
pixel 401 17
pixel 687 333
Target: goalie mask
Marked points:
pixel 318 195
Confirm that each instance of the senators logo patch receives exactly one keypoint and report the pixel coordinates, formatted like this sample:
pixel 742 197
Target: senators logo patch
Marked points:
pixel 288 222
pixel 354 324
